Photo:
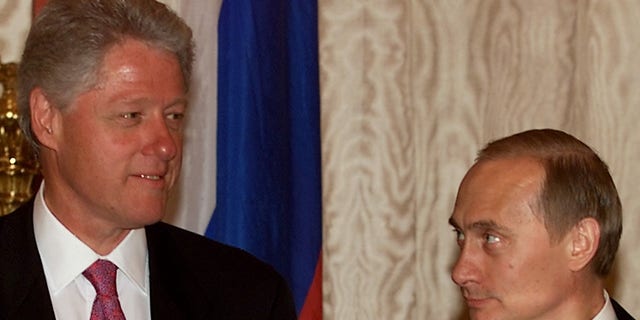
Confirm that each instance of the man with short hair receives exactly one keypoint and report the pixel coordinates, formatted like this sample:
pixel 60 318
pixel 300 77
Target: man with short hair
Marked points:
pixel 538 221
pixel 102 93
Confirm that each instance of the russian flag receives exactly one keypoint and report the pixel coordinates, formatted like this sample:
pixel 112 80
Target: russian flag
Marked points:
pixel 268 140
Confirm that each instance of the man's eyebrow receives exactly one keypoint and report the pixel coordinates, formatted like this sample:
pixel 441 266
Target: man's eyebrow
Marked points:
pixel 453 223
pixel 485 224
pixel 482 225
pixel 141 101
pixel 179 101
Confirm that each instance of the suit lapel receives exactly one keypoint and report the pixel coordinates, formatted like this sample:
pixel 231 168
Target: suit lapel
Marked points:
pixel 621 313
pixel 24 293
pixel 173 288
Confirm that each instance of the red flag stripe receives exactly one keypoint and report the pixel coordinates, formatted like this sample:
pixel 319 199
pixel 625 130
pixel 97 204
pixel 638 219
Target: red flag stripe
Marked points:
pixel 37 5
pixel 312 308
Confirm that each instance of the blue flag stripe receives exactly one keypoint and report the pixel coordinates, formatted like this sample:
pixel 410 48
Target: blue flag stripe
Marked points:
pixel 269 178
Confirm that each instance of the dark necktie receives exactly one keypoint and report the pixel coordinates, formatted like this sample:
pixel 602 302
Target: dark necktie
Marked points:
pixel 106 306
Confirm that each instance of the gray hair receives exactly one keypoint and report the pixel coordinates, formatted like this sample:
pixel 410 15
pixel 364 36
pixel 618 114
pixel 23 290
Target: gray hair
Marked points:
pixel 68 40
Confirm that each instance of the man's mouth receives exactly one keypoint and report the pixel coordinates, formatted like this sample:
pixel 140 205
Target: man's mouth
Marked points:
pixel 476 298
pixel 150 177
pixel 475 302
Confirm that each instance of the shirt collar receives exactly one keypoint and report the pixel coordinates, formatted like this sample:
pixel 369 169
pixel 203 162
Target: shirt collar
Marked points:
pixel 64 257
pixel 607 312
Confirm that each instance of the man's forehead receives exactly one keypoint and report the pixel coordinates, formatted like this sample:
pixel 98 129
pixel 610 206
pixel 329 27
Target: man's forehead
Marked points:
pixel 506 216
pixel 499 192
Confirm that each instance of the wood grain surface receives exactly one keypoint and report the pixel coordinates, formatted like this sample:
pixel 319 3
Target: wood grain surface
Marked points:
pixel 412 89
pixel 15 19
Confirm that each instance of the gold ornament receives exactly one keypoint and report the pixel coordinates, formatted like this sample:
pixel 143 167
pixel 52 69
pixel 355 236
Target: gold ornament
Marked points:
pixel 18 164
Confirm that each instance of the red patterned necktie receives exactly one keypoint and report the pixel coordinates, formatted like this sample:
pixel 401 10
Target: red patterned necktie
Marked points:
pixel 106 306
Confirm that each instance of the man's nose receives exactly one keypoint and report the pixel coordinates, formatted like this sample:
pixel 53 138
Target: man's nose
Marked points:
pixel 164 142
pixel 465 269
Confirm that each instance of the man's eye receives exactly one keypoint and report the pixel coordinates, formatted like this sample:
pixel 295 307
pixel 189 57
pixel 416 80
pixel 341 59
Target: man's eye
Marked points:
pixel 459 236
pixel 175 116
pixel 131 115
pixel 491 239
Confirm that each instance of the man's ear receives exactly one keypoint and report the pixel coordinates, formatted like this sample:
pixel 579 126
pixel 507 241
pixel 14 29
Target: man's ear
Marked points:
pixel 43 115
pixel 585 239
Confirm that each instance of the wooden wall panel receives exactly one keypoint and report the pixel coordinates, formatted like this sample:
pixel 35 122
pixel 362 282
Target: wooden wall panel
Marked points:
pixel 444 127
pixel 411 89
pixel 15 19
pixel 372 181
pixel 608 117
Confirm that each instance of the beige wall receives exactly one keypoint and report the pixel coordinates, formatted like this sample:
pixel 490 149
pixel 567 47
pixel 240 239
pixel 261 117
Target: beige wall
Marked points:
pixel 15 18
pixel 411 89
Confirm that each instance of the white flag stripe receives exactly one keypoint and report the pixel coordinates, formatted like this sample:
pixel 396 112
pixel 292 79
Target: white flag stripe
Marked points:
pixel 194 200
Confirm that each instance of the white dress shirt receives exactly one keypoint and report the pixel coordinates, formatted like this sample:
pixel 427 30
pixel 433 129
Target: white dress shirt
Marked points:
pixel 64 258
pixel 607 312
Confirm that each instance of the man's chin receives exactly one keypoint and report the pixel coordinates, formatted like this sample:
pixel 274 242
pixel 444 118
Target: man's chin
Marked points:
pixel 143 219
pixel 483 314
pixel 482 308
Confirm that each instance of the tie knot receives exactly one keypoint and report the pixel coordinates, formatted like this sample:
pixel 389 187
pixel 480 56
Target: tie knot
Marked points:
pixel 102 275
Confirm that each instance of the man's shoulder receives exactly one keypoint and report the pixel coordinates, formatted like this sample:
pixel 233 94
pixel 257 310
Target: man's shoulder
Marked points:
pixel 25 209
pixel 621 313
pixel 229 281
pixel 205 254
pixel 17 223
pixel 188 241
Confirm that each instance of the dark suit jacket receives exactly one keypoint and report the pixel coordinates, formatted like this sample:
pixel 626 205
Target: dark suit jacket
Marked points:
pixel 620 312
pixel 191 277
